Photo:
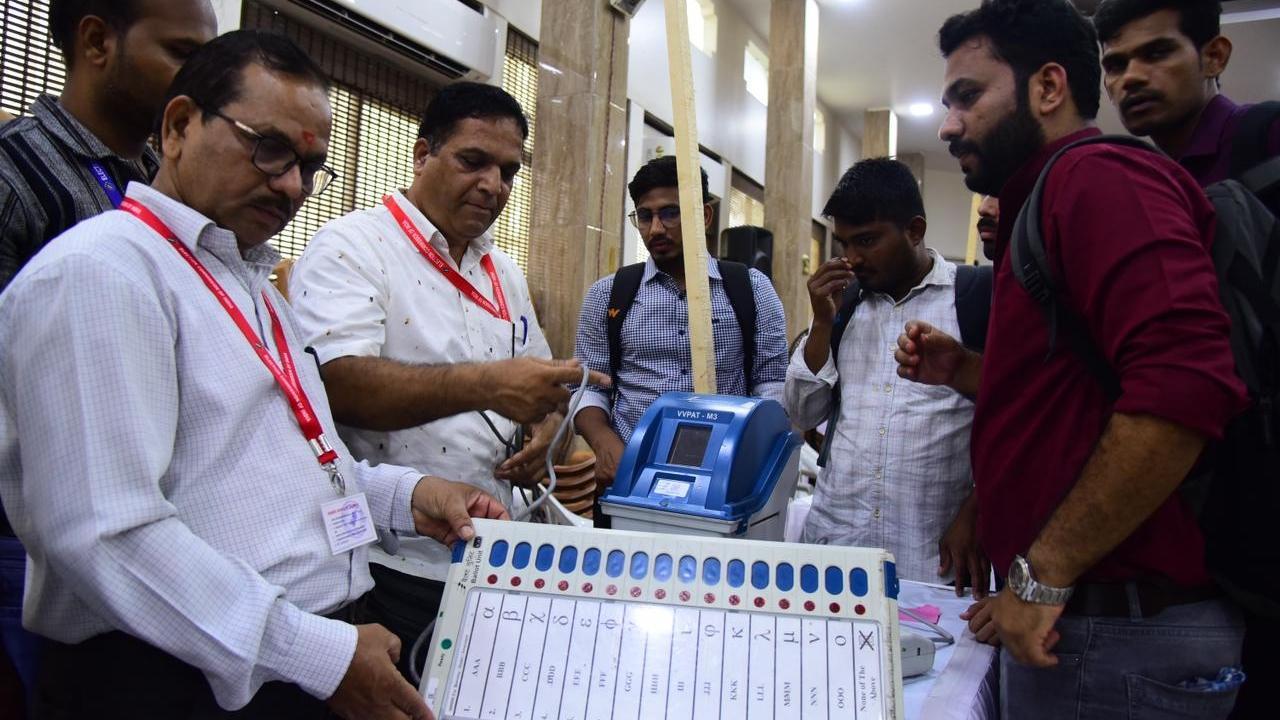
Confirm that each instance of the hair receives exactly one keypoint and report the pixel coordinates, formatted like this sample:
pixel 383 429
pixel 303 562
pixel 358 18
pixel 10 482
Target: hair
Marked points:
pixel 214 74
pixel 1199 20
pixel 876 190
pixel 462 100
pixel 65 17
pixel 661 173
pixel 1029 34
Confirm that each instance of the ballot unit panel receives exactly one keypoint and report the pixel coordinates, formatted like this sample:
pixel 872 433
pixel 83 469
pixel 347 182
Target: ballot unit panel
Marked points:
pixel 614 625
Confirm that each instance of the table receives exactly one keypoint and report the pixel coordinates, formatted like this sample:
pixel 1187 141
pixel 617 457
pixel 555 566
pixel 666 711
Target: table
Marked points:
pixel 964 680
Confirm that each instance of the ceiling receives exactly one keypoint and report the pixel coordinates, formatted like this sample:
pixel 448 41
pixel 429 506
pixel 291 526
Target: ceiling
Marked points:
pixel 883 53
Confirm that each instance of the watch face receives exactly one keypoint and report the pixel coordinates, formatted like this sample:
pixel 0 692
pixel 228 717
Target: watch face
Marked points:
pixel 1018 575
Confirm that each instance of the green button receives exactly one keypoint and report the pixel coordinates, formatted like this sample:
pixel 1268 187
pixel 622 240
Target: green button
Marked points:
pixel 446 644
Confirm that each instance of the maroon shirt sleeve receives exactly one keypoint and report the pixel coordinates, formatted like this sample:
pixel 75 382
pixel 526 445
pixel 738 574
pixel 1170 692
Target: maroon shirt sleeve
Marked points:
pixel 1133 233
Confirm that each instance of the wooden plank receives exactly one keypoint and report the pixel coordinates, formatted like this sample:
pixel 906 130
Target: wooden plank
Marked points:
pixel 971 250
pixel 684 114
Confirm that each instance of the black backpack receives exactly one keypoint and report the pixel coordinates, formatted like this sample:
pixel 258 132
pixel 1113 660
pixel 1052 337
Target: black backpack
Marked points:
pixel 737 286
pixel 973 309
pixel 1235 491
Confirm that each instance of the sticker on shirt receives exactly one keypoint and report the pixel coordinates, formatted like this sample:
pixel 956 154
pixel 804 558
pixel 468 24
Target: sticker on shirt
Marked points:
pixel 349 523
pixel 671 488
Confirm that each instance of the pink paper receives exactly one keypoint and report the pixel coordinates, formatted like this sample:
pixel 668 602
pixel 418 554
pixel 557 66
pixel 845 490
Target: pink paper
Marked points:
pixel 932 613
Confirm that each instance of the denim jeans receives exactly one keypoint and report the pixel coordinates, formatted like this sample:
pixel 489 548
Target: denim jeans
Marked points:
pixel 1129 668
pixel 21 646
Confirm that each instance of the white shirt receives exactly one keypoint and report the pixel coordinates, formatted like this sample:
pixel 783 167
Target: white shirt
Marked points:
pixel 899 467
pixel 362 289
pixel 155 471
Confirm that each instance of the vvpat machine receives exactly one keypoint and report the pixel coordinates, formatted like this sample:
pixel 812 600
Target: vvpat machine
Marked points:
pixel 707 465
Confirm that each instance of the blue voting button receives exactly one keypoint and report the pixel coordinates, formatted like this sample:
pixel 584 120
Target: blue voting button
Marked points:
pixel 520 558
pixel 835 580
pixel 858 582
pixel 591 562
pixel 688 569
pixel 639 566
pixel 737 573
pixel 711 571
pixel 546 555
pixel 568 559
pixel 759 575
pixel 809 578
pixel 498 553
pixel 662 567
pixel 615 564
pixel 784 576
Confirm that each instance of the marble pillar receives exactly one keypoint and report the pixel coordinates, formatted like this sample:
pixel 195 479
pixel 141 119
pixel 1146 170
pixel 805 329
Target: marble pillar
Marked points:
pixel 579 167
pixel 880 133
pixel 788 170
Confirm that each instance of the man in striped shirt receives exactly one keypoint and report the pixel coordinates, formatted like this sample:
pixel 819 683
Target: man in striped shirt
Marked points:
pixel 72 157
pixel 71 160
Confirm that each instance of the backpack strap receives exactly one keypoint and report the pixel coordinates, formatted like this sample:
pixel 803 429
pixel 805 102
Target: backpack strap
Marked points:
pixel 1030 265
pixel 973 304
pixel 742 298
pixel 626 283
pixel 849 303
pixel 1251 163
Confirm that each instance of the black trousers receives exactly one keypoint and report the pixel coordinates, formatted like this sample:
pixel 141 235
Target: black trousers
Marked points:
pixel 119 677
pixel 403 604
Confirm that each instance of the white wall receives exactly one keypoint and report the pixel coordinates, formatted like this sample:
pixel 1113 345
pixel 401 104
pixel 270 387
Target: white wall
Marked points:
pixel 843 150
pixel 948 205
pixel 523 15
pixel 228 14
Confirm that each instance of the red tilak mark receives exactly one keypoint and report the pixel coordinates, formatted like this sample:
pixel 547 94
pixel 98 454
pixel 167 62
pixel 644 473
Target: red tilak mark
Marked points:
pixel 308 137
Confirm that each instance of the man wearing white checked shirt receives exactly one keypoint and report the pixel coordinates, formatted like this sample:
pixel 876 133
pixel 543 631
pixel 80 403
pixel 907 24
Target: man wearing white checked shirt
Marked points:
pixel 167 455
pixel 896 469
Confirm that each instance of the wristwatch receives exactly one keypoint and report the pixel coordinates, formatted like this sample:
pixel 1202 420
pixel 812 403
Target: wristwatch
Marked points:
pixel 1023 584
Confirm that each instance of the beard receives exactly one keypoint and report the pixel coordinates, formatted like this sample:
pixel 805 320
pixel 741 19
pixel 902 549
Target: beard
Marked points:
pixel 125 100
pixel 999 155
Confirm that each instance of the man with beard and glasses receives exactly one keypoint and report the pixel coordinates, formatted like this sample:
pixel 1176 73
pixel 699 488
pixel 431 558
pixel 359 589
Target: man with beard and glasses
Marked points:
pixel 1162 64
pixel 72 157
pixel 1108 607
pixel 430 349
pixel 197 532
pixel 895 468
pixel 653 343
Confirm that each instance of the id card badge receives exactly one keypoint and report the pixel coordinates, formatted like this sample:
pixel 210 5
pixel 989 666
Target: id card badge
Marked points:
pixel 348 522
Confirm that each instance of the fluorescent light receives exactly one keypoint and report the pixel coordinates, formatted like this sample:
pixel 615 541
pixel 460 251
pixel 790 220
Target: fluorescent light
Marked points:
pixel 921 109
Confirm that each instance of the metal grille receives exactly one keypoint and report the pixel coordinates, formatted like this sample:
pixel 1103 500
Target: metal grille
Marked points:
pixel 30 65
pixel 377 107
pixel 520 78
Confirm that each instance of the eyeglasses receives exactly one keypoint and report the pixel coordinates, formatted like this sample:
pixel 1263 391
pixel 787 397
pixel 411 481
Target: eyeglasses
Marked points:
pixel 274 157
pixel 643 218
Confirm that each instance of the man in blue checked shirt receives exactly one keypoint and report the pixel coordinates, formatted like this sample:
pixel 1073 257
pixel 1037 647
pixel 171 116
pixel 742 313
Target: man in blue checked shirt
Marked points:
pixel 653 345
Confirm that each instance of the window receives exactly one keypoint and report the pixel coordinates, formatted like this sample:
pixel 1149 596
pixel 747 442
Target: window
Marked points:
pixel 520 78
pixel 702 25
pixel 30 65
pixel 755 72
pixel 376 110
pixel 819 131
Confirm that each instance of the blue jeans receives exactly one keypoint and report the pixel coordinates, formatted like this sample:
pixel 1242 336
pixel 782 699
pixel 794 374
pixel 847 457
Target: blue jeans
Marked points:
pixel 21 646
pixel 1118 668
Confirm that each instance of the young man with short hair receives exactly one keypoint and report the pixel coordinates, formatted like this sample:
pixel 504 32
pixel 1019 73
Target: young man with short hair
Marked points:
pixel 653 337
pixel 1162 64
pixel 1077 490
pixel 896 469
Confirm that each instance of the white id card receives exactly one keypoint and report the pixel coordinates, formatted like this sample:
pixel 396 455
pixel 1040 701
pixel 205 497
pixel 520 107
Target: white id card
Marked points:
pixel 348 522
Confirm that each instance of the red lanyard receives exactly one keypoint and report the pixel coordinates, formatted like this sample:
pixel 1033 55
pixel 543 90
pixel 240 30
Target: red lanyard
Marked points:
pixel 499 311
pixel 284 372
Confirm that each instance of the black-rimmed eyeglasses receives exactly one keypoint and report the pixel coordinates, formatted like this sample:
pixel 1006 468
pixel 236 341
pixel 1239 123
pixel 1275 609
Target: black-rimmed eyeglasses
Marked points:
pixel 274 157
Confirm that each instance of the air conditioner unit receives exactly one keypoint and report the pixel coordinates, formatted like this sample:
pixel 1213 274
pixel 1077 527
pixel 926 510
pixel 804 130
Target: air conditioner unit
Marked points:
pixel 450 38
pixel 627 7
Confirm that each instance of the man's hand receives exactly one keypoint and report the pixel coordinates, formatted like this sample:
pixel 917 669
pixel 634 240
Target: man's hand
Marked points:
pixel 1026 629
pixel 527 467
pixel 526 390
pixel 443 510
pixel 979 617
pixel 825 287
pixel 608 450
pixel 373 688
pixel 958 549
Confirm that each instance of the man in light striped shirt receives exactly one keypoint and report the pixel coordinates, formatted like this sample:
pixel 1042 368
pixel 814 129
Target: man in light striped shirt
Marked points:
pixel 897 472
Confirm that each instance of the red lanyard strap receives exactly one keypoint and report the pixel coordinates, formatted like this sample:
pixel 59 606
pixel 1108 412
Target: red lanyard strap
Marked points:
pixel 284 372
pixel 415 236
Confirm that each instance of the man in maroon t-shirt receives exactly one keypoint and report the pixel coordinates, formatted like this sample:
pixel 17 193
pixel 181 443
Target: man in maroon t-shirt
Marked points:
pixel 1108 606
pixel 1162 63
